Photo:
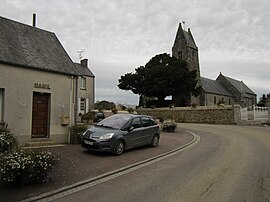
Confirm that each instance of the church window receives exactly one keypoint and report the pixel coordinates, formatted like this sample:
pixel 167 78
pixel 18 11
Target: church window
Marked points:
pixel 215 100
pixel 180 55
pixel 193 55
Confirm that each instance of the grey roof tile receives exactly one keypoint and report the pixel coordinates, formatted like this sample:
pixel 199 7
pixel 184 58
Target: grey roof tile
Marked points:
pixel 190 41
pixel 85 71
pixel 31 47
pixel 240 85
pixel 215 87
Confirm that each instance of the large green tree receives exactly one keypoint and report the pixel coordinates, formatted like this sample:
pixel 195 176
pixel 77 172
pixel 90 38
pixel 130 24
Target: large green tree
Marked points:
pixel 162 76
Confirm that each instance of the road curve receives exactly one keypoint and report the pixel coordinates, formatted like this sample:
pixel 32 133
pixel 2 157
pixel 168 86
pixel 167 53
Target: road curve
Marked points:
pixel 239 169
pixel 230 163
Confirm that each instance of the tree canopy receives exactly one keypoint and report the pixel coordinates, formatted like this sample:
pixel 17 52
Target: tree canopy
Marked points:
pixel 162 76
pixel 263 99
pixel 104 105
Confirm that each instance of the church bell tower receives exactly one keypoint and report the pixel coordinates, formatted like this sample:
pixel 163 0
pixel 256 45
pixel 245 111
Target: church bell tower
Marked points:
pixel 185 48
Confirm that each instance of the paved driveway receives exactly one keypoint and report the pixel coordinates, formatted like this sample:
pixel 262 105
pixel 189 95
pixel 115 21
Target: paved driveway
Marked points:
pixel 77 164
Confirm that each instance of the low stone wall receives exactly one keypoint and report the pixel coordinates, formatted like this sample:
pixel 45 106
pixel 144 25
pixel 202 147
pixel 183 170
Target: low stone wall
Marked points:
pixel 213 115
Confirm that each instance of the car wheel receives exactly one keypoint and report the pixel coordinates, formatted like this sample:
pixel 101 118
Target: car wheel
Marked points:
pixel 119 148
pixel 155 141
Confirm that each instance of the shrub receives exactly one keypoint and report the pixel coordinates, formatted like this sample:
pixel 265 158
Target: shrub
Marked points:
pixel 7 140
pixel 29 165
pixel 130 110
pixel 75 133
pixel 169 126
pixel 88 116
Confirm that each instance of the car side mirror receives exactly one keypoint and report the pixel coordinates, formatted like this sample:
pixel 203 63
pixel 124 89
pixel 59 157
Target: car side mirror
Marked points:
pixel 131 128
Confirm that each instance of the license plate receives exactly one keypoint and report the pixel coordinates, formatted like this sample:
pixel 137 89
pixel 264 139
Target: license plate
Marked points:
pixel 88 142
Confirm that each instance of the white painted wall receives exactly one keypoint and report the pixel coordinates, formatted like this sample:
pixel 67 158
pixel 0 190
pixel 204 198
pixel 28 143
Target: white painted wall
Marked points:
pixel 19 85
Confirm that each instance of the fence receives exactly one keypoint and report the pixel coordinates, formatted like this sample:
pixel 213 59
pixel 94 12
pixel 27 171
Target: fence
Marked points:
pixel 260 113
pixel 256 114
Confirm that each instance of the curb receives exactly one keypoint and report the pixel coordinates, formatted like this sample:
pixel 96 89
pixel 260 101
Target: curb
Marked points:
pixel 75 186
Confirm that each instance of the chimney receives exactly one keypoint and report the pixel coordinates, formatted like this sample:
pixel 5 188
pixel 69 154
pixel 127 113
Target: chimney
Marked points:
pixel 84 63
pixel 34 20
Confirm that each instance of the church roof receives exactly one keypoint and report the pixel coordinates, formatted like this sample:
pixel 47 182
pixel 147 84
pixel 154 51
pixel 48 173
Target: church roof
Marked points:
pixel 190 40
pixel 31 47
pixel 239 85
pixel 187 36
pixel 214 86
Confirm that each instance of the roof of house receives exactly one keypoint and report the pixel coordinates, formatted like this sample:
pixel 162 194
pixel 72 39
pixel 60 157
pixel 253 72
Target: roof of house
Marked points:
pixel 85 71
pixel 31 47
pixel 239 85
pixel 215 87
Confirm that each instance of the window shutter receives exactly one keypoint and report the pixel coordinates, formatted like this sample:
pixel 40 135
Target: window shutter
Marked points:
pixel 86 105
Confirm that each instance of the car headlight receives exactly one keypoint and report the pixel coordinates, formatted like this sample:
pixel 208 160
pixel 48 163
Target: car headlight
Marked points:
pixel 106 136
pixel 84 133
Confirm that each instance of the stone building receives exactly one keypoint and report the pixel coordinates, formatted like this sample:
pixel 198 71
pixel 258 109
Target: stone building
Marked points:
pixel 39 84
pixel 224 89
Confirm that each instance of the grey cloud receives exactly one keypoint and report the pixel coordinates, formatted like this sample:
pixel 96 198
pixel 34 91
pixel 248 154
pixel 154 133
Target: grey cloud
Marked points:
pixel 119 35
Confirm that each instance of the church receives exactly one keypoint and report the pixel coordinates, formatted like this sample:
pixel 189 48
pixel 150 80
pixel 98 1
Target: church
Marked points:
pixel 224 90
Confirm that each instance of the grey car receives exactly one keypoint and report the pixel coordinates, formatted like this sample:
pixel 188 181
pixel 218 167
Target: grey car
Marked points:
pixel 120 132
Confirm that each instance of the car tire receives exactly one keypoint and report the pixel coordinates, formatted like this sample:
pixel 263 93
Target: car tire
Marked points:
pixel 119 148
pixel 155 141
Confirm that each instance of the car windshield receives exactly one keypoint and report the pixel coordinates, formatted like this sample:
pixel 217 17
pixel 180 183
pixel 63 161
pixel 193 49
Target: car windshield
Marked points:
pixel 115 121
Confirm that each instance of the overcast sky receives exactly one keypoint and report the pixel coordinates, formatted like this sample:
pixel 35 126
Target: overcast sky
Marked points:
pixel 119 35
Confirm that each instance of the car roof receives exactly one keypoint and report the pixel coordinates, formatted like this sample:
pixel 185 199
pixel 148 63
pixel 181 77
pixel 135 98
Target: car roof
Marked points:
pixel 132 115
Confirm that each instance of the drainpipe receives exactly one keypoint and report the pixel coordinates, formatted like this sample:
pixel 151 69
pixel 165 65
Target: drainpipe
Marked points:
pixel 71 97
pixel 94 92
pixel 76 101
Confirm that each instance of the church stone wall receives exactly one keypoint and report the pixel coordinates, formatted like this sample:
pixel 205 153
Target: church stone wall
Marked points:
pixel 210 99
pixel 211 115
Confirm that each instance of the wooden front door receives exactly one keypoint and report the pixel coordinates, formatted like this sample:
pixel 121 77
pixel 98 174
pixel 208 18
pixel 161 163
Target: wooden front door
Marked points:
pixel 40 115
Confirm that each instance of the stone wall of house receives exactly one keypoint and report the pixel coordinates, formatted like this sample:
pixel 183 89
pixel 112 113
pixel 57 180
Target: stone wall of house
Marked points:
pixel 211 115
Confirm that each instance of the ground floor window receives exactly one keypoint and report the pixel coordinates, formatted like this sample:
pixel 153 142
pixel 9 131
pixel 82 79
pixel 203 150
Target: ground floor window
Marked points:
pixel 1 104
pixel 82 104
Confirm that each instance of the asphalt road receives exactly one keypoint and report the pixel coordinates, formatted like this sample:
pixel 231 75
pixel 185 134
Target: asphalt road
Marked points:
pixel 230 163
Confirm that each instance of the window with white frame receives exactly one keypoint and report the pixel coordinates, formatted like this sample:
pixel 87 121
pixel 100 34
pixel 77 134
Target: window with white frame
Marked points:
pixel 83 83
pixel 82 104
pixel 1 104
